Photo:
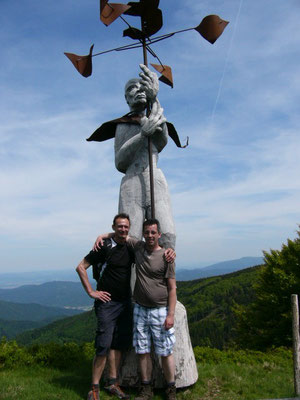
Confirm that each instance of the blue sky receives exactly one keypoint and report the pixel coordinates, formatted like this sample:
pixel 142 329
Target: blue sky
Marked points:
pixel 235 190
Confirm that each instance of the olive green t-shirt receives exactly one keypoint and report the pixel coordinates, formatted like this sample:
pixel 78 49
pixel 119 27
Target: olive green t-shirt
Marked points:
pixel 152 272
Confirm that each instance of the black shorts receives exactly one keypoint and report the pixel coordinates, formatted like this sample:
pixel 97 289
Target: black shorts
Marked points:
pixel 114 326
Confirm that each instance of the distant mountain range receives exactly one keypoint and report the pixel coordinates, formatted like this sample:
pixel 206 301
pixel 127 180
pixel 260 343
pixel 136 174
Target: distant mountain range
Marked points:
pixel 14 280
pixel 16 318
pixel 53 294
pixel 32 312
pixel 221 268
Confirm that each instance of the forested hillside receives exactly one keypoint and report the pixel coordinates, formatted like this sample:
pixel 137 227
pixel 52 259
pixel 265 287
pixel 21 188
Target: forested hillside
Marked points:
pixel 78 329
pixel 17 317
pixel 32 312
pixel 209 304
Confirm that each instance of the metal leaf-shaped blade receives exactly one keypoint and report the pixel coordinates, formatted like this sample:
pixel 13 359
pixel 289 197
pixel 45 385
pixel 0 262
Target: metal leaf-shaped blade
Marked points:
pixel 83 64
pixel 211 27
pixel 111 11
pixel 166 73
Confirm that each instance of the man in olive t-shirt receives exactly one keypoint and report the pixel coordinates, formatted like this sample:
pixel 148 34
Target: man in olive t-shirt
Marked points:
pixel 154 309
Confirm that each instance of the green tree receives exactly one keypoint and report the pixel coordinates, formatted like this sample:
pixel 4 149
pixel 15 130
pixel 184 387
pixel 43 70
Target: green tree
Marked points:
pixel 267 321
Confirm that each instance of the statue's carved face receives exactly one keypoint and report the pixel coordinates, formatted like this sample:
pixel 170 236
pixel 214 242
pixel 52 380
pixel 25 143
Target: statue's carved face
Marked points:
pixel 135 94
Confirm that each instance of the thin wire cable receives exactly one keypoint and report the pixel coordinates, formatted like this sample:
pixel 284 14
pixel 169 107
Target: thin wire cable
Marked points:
pixel 226 62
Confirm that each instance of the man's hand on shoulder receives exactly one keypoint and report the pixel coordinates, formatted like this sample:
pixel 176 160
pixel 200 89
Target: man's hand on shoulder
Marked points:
pixel 170 255
pixel 99 242
pixel 99 295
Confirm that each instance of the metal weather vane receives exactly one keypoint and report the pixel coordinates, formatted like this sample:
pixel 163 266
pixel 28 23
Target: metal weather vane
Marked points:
pixel 210 28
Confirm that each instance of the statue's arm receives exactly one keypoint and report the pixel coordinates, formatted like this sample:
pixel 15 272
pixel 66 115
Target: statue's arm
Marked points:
pixel 126 147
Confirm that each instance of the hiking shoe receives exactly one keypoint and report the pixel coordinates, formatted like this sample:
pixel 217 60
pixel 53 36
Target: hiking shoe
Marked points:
pixel 116 391
pixel 93 394
pixel 146 393
pixel 171 392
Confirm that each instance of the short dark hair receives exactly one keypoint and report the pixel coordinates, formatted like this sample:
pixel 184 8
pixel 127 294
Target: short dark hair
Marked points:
pixel 121 215
pixel 152 221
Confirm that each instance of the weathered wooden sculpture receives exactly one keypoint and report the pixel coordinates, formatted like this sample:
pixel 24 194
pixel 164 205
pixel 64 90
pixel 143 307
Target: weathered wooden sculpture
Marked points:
pixel 139 136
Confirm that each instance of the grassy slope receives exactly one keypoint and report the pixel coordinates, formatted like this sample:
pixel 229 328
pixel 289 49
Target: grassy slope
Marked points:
pixel 222 381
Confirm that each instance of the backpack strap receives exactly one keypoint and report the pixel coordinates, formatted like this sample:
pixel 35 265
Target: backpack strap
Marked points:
pixel 105 252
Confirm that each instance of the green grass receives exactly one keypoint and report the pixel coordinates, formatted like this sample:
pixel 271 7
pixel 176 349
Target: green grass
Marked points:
pixel 55 371
pixel 221 381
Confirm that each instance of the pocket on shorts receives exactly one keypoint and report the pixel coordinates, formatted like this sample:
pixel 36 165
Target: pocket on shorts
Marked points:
pixel 170 336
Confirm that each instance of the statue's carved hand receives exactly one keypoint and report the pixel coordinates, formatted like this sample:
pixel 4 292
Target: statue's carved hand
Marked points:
pixel 149 82
pixel 153 123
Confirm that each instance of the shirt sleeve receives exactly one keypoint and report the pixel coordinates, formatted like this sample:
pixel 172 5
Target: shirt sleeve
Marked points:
pixel 170 270
pixel 94 257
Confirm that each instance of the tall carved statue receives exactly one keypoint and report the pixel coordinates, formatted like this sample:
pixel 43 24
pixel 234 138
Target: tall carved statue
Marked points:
pixel 131 133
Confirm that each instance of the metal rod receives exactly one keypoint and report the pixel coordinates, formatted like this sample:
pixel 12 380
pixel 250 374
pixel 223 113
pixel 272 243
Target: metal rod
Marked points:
pixel 150 152
pixel 142 43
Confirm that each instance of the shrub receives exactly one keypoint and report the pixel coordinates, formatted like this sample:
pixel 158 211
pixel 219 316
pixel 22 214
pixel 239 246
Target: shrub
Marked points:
pixel 50 354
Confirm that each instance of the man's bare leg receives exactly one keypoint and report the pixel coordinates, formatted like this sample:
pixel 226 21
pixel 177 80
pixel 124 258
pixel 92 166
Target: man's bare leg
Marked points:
pixel 114 361
pixel 145 364
pixel 98 367
pixel 145 367
pixel 168 366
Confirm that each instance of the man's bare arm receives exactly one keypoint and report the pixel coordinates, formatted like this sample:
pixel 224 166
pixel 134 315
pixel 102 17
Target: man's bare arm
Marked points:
pixel 94 294
pixel 172 298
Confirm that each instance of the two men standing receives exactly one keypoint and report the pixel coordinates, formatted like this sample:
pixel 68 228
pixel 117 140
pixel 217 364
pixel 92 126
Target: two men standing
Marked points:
pixel 154 308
